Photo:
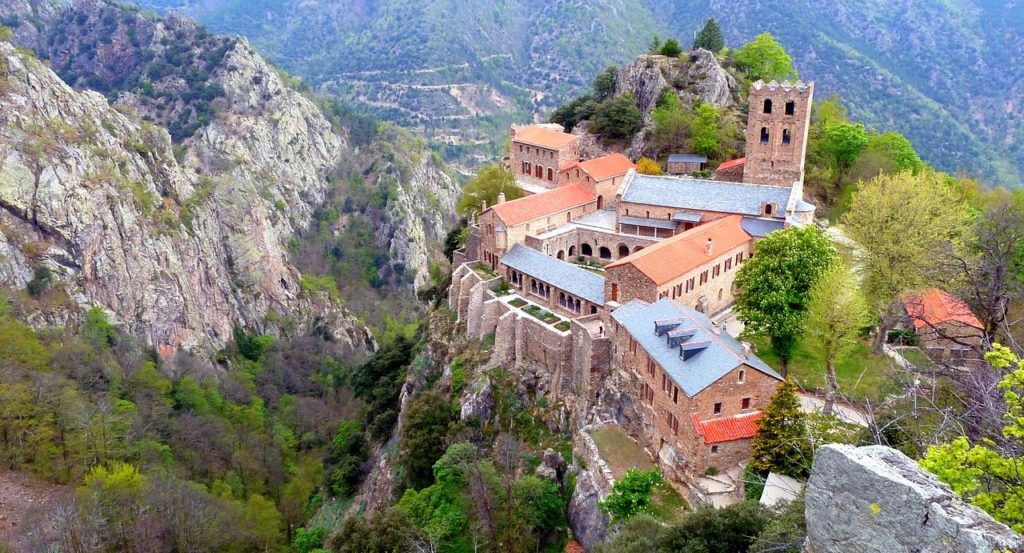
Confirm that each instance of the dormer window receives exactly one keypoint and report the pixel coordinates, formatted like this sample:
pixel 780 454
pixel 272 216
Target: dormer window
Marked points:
pixel 768 209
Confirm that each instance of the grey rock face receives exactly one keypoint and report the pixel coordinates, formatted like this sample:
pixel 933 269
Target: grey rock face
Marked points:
pixel 876 499
pixel 478 401
pixel 553 465
pixel 176 252
pixel 588 522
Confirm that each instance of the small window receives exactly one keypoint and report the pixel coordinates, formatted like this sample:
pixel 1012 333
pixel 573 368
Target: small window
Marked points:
pixel 790 107
pixel 714 449
pixel 768 105
pixel 743 375
pixel 746 403
pixel 767 209
pixel 765 137
pixel 787 137
pixel 718 408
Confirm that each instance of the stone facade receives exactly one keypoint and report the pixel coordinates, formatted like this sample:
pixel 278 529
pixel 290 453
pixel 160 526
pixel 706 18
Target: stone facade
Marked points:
pixel 604 189
pixel 496 238
pixel 730 171
pixel 777 125
pixel 729 393
pixel 535 160
pixel 708 288
pixel 587 243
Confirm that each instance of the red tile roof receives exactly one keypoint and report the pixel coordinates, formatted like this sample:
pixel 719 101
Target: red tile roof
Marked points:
pixel 729 429
pixel 544 137
pixel 674 257
pixel 574 547
pixel 933 307
pixel 541 205
pixel 604 167
pixel 731 163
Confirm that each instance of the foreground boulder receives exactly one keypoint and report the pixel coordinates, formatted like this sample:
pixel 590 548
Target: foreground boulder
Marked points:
pixel 876 499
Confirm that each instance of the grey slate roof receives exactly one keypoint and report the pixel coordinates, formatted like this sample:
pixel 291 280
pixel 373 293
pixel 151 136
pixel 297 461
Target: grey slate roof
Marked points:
pixel 704 195
pixel 703 368
pixel 644 222
pixel 759 228
pixel 565 276
pixel 687 216
pixel 687 158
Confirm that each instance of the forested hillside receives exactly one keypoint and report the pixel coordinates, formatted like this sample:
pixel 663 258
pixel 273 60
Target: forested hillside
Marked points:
pixel 941 73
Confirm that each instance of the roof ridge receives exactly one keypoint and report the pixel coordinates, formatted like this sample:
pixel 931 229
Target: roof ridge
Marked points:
pixel 658 246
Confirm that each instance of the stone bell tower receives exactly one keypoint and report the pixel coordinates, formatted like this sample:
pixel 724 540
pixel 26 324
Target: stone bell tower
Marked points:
pixel 780 115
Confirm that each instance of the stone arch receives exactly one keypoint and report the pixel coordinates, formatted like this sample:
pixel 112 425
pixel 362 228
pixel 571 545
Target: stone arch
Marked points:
pixel 767 105
pixel 604 252
pixel 623 250
pixel 551 174
pixel 600 202
pixel 560 254
pixel 765 135
pixel 586 250
pixel 593 310
pixel 572 251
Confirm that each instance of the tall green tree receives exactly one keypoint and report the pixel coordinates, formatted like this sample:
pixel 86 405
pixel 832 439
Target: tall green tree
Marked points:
pixel 764 58
pixel 604 83
pixel 895 147
pixel 774 286
pixel 781 444
pixel 843 143
pixel 705 130
pixel 902 225
pixel 710 37
pixel 423 437
pixel 489 181
pixel 836 312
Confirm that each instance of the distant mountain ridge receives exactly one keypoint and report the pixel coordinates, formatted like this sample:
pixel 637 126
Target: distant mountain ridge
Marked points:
pixel 943 73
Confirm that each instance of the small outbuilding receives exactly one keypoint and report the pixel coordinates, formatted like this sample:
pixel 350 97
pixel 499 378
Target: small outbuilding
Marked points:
pixel 686 164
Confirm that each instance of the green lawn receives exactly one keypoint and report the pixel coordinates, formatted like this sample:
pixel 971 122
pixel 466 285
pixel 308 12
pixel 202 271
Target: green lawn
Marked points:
pixel 861 376
pixel 622 453
pixel 917 358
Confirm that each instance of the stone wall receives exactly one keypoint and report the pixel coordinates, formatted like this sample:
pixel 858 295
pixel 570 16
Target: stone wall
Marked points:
pixel 494 242
pixel 770 159
pixel 573 239
pixel 549 160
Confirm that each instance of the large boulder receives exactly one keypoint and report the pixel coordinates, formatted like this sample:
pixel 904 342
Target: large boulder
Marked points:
pixel 876 499
pixel 588 522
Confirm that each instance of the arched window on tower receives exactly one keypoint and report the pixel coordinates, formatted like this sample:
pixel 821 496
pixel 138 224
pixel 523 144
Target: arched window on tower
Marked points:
pixel 790 107
pixel 768 105
pixel 787 136
pixel 764 135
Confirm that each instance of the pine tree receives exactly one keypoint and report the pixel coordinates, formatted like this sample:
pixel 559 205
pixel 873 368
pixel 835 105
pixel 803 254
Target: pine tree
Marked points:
pixel 710 37
pixel 781 444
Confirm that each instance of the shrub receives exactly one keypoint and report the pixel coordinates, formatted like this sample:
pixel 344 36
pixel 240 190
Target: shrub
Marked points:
pixel 41 281
pixel 617 118
pixel 632 494
pixel 647 166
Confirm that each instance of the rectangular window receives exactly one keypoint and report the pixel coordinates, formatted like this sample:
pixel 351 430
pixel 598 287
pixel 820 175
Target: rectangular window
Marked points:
pixel 716 271
pixel 675 394
pixel 718 408
pixel 746 403
pixel 728 264
pixel 714 449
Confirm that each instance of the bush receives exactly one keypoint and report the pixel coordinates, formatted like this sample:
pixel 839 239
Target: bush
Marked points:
pixel 617 118
pixel 343 465
pixel 632 494
pixel 41 281
pixel 671 48
pixel 647 166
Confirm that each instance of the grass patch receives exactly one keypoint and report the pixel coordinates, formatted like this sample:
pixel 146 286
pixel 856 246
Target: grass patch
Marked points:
pixel 667 505
pixel 917 358
pixel 842 203
pixel 518 302
pixel 563 326
pixel 620 451
pixel 484 270
pixel 861 376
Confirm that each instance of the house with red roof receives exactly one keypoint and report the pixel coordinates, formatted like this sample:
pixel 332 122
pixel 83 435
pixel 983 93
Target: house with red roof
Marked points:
pixel 537 152
pixel 950 333
pixel 509 223
pixel 696 267
pixel 699 393
pixel 731 171
pixel 602 176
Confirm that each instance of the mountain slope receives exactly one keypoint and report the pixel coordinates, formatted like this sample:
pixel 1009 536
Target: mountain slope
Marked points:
pixel 182 240
pixel 942 73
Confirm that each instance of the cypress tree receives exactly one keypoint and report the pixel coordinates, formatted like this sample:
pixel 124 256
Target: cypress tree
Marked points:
pixel 781 444
pixel 710 37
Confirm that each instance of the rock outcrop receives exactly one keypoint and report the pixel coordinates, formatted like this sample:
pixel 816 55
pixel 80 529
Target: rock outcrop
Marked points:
pixel 876 499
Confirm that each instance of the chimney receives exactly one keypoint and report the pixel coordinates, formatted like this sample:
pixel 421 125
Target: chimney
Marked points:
pixel 709 247
pixel 501 198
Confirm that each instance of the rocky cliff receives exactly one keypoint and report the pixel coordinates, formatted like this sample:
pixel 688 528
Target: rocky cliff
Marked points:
pixel 875 499
pixel 182 240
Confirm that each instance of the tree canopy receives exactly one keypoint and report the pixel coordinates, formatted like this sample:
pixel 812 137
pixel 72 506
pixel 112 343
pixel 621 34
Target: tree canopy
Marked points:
pixel 764 58
pixel 489 181
pixel 710 37
pixel 781 444
pixel 647 166
pixel 705 130
pixel 671 48
pixel 774 286
pixel 617 118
